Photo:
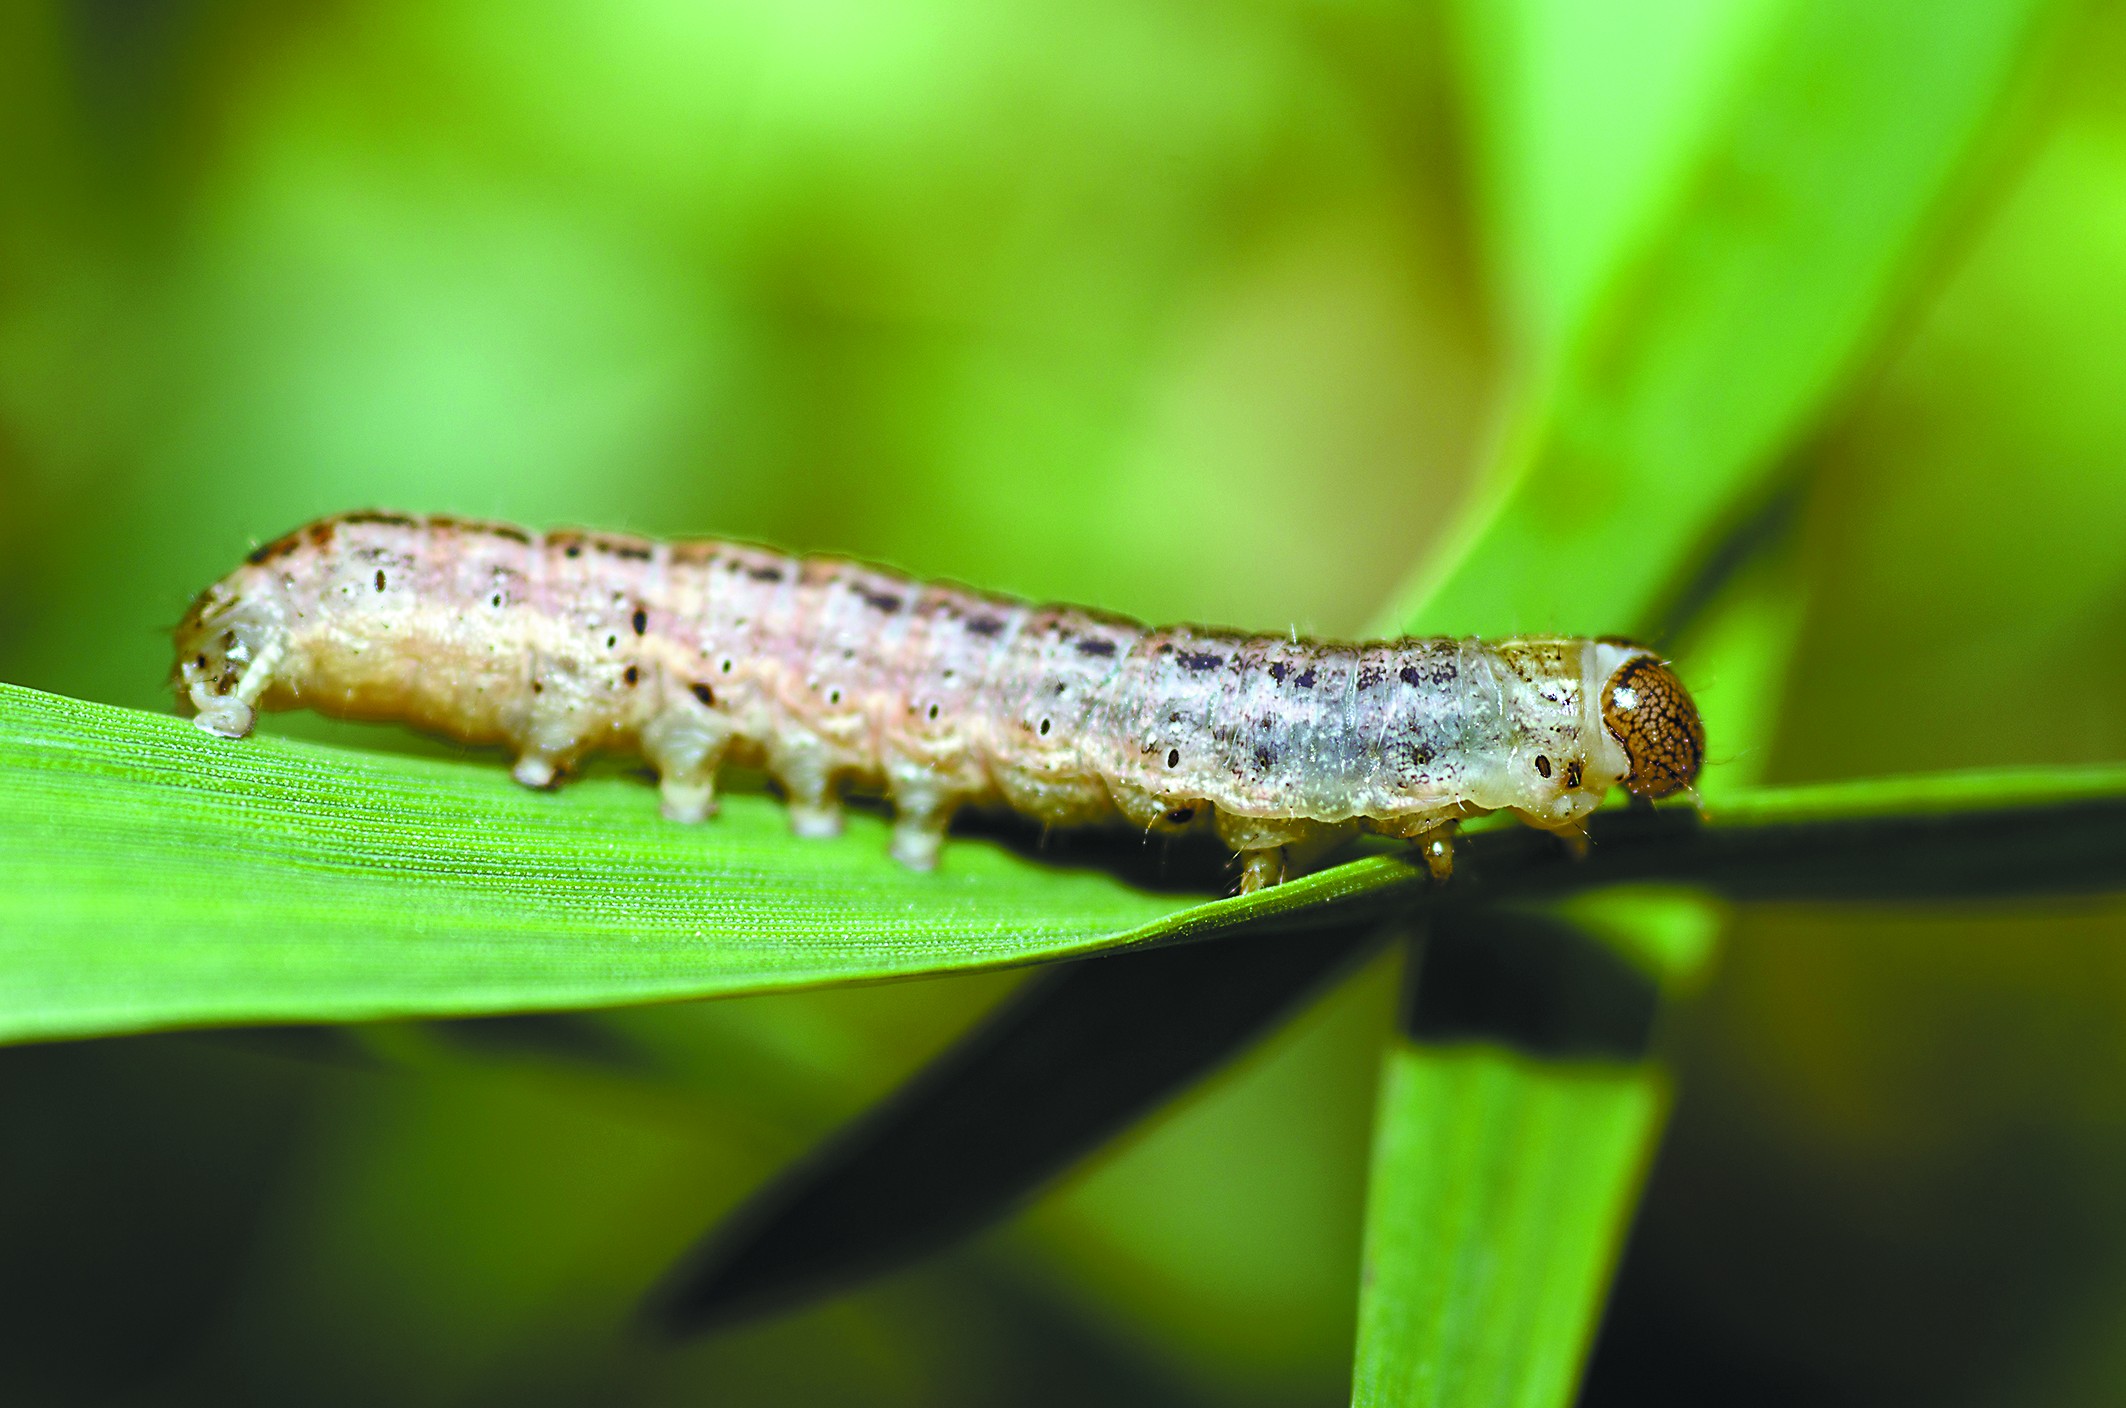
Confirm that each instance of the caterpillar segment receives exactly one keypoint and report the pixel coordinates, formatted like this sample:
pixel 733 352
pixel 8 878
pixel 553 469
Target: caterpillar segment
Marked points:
pixel 831 674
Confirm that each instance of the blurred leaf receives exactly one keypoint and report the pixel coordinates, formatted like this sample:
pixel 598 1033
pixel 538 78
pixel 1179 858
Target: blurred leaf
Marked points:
pixel 1993 441
pixel 1585 119
pixel 1952 1075
pixel 2009 834
pixel 1515 1181
pixel 1225 1228
pixel 1502 1179
pixel 180 1146
pixel 1071 1060
pixel 151 876
pixel 1059 1068
pixel 1570 1144
pixel 606 264
pixel 1720 334
pixel 1681 348
pixel 1516 1170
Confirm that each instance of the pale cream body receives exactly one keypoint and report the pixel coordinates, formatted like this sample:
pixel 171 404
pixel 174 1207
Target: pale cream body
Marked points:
pixel 828 673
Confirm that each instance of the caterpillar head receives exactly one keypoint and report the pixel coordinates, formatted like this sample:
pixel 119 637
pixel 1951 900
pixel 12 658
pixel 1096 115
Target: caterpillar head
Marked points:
pixel 1648 712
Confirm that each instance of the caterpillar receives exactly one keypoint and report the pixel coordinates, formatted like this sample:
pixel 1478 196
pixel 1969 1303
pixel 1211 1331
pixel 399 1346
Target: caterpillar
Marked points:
pixel 829 673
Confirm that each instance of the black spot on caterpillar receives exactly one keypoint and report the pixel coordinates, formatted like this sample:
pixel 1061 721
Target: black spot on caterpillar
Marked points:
pixel 930 693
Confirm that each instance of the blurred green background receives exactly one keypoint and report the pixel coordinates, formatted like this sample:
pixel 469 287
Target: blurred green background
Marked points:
pixel 1185 309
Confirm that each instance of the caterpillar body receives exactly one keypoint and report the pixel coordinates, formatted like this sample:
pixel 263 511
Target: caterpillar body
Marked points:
pixel 829 673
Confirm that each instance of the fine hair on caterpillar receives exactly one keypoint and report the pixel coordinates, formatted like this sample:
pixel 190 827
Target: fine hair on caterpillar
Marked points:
pixel 829 673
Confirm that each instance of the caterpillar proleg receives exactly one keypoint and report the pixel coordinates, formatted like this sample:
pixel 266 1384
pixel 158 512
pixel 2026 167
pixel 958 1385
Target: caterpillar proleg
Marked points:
pixel 829 673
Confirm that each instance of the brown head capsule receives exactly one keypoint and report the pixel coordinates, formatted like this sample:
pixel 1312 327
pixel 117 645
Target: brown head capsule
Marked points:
pixel 1647 710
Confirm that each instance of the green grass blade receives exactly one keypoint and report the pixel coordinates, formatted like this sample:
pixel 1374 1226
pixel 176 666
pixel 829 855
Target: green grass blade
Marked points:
pixel 2009 834
pixel 1516 1113
pixel 1066 1062
pixel 1680 345
pixel 151 876
pixel 1974 835
pixel 1721 332
pixel 1516 1116
pixel 1514 1181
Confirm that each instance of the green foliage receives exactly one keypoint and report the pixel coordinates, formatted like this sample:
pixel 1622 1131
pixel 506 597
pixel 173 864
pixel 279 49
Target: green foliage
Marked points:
pixel 156 877
pixel 162 878
pixel 1725 311
pixel 1696 294
pixel 1506 1191
pixel 1778 331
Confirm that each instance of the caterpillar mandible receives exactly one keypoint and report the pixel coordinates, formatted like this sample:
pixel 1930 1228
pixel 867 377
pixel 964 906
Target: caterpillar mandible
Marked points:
pixel 828 673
